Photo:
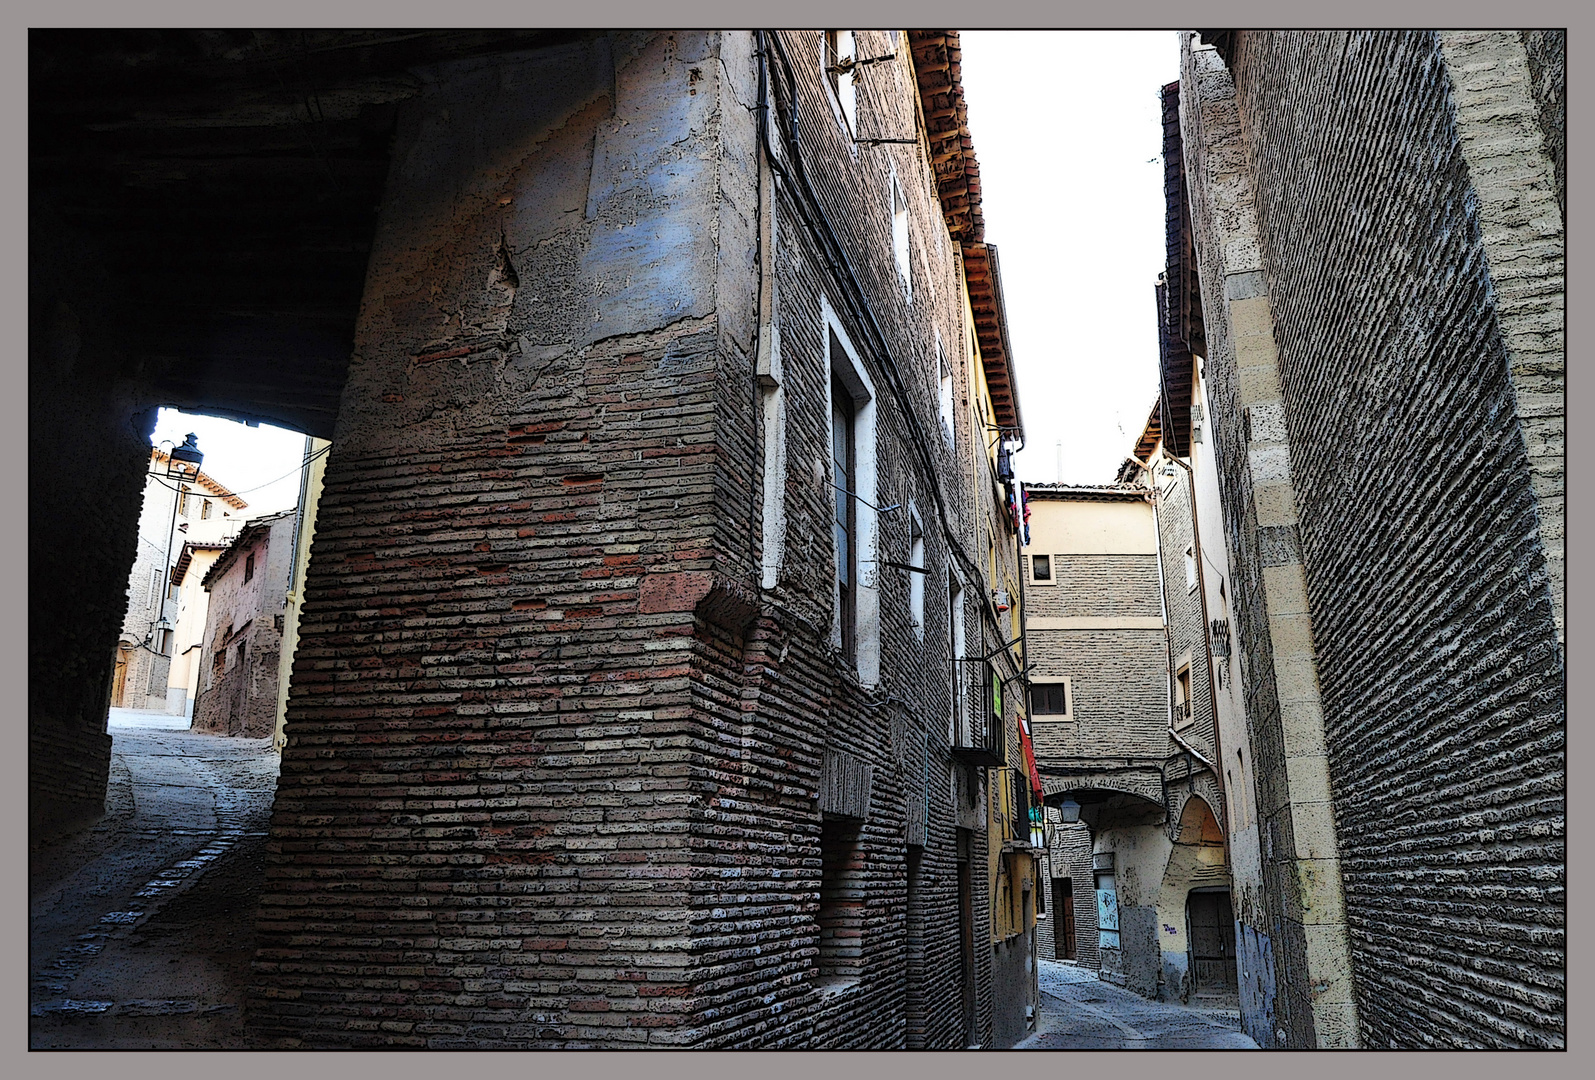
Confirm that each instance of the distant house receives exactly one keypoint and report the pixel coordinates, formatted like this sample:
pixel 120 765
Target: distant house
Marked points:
pixel 188 633
pixel 205 511
pixel 248 586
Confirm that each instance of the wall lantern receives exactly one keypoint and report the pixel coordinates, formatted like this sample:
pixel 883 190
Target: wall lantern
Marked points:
pixel 1068 811
pixel 184 461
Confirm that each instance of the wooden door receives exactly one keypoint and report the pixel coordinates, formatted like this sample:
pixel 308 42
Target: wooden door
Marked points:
pixel 1212 933
pixel 1063 912
pixel 119 680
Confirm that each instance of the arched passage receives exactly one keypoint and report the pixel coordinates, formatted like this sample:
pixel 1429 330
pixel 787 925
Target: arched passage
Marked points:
pixel 1193 908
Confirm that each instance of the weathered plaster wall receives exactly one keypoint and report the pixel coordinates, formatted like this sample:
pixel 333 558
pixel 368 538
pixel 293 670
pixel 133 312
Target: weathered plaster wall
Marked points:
pixel 1140 857
pixel 240 696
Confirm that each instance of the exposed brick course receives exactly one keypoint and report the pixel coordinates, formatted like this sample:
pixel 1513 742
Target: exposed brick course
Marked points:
pixel 554 763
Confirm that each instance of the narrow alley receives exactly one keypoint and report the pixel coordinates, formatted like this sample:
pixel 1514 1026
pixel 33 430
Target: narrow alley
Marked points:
pixel 536 541
pixel 142 927
pixel 1080 1012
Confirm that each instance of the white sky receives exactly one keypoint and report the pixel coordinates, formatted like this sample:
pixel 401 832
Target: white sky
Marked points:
pixel 242 458
pixel 1064 123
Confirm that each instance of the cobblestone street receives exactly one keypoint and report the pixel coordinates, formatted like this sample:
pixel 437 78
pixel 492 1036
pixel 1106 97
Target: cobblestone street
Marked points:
pixel 142 928
pixel 1080 1012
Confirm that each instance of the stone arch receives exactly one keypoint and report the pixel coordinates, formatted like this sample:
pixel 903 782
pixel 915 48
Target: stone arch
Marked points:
pixel 1198 860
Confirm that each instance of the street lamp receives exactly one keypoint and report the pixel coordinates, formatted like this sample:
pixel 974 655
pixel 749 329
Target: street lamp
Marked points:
pixel 1068 811
pixel 183 462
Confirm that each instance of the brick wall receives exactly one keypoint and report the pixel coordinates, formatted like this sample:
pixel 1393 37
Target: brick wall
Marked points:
pixel 88 431
pixel 1187 626
pixel 1425 568
pixel 554 761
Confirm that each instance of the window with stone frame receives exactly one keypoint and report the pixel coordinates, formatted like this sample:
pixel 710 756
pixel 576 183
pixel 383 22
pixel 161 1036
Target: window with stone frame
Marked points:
pixel 1052 699
pixel 1041 570
pixel 844 524
pixel 839 52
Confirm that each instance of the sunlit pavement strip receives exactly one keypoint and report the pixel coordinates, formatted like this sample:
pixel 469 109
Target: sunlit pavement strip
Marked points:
pixel 1080 1012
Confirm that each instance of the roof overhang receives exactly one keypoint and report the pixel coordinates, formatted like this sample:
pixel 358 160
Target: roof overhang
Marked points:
pixel 186 559
pixel 944 115
pixel 1087 492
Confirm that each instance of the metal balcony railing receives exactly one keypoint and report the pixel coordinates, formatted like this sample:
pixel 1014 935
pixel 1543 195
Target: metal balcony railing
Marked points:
pixel 979 736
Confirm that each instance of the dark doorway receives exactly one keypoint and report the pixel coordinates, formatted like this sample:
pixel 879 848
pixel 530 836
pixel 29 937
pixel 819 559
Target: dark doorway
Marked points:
pixel 966 935
pixel 1063 912
pixel 1212 928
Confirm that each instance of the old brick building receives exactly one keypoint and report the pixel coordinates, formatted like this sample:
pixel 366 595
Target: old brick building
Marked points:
pixel 1364 294
pixel 657 670
pixel 1124 731
pixel 172 514
pixel 238 656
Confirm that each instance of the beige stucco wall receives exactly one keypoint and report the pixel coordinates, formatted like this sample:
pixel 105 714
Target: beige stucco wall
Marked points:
pixel 1090 528
pixel 309 497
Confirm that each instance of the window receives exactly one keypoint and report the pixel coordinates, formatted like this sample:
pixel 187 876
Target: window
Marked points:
pixel 841 914
pixel 163 641
pixel 1190 566
pixel 1041 568
pixel 204 510
pixel 1051 700
pixel 844 525
pixel 249 566
pixel 840 51
pixel 955 649
pixel 1182 696
pixel 856 625
pixel 946 397
pixel 218 662
pixel 182 500
pixel 900 237
pixel 239 651
pixel 916 578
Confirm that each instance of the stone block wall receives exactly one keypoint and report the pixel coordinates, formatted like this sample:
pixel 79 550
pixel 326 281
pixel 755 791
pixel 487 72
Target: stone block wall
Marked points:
pixel 1425 566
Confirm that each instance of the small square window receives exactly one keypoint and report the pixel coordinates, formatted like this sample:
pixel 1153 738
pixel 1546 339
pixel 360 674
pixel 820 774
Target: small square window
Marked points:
pixel 1050 699
pixel 1041 567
